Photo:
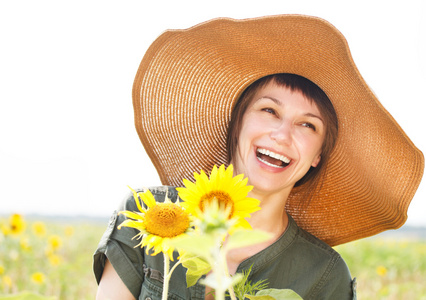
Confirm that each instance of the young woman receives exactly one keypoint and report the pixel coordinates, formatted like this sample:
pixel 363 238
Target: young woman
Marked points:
pixel 281 99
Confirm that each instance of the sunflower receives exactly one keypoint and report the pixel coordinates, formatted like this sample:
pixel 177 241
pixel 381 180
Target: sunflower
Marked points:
pixel 55 242
pixel 17 224
pixel 228 190
pixel 158 224
pixel 39 229
pixel 38 277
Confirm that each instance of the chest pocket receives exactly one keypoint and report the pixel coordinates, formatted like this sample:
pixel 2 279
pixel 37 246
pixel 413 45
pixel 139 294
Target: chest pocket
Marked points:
pixel 152 287
pixel 151 291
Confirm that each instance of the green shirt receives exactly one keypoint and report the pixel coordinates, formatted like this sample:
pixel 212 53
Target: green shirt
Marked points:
pixel 297 260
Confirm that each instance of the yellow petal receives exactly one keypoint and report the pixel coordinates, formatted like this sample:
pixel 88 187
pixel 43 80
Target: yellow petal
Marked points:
pixel 132 224
pixel 148 198
pixel 135 196
pixel 132 215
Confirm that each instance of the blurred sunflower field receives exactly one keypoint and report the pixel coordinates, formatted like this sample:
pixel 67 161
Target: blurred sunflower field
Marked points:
pixel 52 258
pixel 387 268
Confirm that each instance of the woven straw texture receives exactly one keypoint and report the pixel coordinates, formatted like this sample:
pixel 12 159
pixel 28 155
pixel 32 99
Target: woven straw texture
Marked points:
pixel 189 80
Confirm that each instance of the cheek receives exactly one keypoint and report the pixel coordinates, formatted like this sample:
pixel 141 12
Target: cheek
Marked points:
pixel 243 147
pixel 244 136
pixel 238 161
pixel 250 133
pixel 311 148
pixel 250 129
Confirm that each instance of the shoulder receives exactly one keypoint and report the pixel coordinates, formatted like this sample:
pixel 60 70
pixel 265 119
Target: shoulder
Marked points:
pixel 303 240
pixel 313 243
pixel 334 278
pixel 159 193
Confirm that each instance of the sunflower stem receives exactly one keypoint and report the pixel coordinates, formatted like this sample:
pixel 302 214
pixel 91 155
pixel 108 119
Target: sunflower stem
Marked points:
pixel 166 276
pixel 226 272
pixel 231 288
pixel 174 267
pixel 220 269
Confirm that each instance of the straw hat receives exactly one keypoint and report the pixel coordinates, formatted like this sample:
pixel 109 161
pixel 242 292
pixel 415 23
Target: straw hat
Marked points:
pixel 189 80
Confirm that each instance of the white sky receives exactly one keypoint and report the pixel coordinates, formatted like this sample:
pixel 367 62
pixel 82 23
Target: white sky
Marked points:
pixel 67 139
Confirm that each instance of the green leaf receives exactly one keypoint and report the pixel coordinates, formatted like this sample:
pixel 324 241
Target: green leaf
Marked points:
pixel 197 245
pixel 192 278
pixel 237 278
pixel 246 287
pixel 277 294
pixel 245 237
pixel 196 267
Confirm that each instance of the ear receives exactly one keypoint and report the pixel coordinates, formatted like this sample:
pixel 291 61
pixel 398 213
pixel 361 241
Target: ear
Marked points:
pixel 316 161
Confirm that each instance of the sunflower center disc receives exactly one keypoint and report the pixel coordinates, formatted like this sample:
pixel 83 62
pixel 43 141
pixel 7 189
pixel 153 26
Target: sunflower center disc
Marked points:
pixel 222 197
pixel 166 220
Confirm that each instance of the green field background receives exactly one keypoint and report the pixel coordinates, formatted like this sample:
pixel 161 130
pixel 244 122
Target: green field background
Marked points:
pixel 57 262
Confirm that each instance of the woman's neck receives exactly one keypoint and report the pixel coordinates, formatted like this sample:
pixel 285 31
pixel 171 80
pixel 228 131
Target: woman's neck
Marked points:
pixel 272 217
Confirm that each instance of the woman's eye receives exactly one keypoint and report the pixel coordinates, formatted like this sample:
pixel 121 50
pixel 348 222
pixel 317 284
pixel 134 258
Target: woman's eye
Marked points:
pixel 309 125
pixel 269 110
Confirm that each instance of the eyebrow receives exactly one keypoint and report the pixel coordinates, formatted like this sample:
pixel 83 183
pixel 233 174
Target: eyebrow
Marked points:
pixel 314 116
pixel 278 102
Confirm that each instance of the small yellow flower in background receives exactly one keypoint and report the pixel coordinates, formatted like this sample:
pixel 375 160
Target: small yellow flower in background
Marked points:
pixel 38 277
pixel 230 191
pixel 6 281
pixel 17 224
pixel 39 229
pixel 55 242
pixel 69 231
pixel 5 229
pixel 1 270
pixel 54 259
pixel 381 270
pixel 158 224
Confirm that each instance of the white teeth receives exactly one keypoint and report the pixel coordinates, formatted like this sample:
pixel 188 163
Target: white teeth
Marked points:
pixel 274 155
pixel 269 164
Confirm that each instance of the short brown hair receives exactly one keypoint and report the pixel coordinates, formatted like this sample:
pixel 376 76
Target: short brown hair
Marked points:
pixel 295 83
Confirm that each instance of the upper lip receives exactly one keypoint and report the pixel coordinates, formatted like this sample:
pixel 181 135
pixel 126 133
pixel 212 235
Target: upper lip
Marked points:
pixel 274 154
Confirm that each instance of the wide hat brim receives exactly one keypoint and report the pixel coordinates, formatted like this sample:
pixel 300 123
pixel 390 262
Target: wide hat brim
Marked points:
pixel 189 80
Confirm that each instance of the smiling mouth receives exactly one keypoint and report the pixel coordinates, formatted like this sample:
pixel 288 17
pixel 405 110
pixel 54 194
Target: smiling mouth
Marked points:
pixel 272 159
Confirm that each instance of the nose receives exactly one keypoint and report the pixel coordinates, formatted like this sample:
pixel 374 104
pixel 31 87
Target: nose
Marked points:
pixel 282 133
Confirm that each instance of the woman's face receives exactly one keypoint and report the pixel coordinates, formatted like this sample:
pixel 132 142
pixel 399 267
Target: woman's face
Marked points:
pixel 281 138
